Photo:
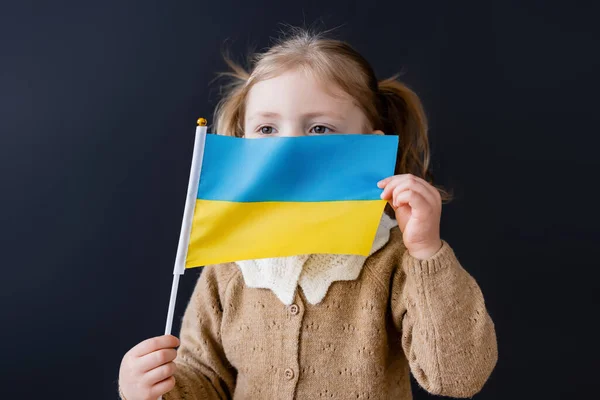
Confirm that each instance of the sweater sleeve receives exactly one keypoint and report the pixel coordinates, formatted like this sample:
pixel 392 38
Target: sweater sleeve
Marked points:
pixel 203 372
pixel 448 336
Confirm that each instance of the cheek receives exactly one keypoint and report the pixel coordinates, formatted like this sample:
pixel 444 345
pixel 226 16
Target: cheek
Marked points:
pixel 363 126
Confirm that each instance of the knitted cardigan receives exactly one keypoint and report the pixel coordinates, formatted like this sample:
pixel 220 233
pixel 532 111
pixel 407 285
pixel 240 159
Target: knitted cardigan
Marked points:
pixel 362 341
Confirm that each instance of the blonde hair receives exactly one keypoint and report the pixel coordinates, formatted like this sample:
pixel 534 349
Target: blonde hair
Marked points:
pixel 390 106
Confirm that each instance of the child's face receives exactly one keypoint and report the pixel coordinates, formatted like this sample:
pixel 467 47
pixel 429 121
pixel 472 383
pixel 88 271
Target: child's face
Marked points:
pixel 294 104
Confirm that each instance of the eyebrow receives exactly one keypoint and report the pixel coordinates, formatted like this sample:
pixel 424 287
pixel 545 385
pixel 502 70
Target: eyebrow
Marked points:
pixel 265 114
pixel 314 114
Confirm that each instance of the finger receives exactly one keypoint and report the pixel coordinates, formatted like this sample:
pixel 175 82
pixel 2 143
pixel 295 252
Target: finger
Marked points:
pixel 410 181
pixel 163 387
pixel 390 186
pixel 150 345
pixel 410 197
pixel 435 194
pixel 395 180
pixel 429 191
pixel 421 186
pixel 155 359
pixel 430 188
pixel 385 181
pixel 417 186
pixel 159 373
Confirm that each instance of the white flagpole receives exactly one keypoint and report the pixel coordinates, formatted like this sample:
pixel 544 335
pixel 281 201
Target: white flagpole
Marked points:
pixel 188 214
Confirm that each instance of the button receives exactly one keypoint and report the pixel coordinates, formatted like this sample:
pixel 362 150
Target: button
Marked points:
pixel 289 374
pixel 294 309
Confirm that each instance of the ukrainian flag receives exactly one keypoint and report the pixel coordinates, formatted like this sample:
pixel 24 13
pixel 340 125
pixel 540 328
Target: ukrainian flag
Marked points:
pixel 282 196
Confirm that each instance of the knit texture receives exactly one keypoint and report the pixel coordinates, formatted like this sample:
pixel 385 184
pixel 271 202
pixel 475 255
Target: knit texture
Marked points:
pixel 362 341
pixel 314 273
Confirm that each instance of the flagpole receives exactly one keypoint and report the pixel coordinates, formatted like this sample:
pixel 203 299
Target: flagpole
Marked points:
pixel 188 215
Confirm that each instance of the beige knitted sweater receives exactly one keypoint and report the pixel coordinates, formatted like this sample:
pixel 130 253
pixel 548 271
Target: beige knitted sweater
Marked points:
pixel 400 315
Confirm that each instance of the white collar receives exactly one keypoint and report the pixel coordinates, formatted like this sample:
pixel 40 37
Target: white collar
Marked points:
pixel 313 272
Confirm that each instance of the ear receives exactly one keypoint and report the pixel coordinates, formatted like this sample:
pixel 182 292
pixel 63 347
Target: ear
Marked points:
pixel 378 132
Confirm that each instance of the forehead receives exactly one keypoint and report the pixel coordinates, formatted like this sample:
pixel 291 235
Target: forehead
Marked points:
pixel 300 91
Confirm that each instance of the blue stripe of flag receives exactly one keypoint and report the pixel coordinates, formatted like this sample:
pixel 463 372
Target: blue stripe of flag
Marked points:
pixel 309 168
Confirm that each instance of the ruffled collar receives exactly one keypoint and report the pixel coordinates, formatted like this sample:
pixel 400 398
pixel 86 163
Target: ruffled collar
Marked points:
pixel 314 273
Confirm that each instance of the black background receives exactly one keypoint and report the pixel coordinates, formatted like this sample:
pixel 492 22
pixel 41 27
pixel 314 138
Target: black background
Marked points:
pixel 98 104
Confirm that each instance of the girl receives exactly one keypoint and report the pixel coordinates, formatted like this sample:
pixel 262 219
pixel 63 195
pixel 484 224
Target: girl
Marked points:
pixel 329 326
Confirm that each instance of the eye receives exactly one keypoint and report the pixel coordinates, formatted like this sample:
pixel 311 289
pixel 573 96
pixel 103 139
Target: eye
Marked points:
pixel 266 130
pixel 320 129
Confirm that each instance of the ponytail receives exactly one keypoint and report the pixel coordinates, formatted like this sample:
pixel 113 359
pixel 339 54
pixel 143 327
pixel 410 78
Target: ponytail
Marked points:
pixel 402 113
